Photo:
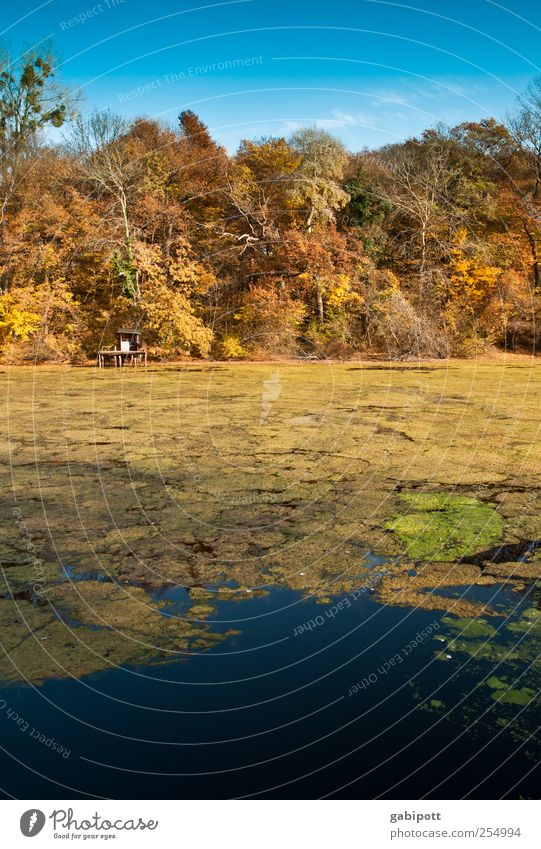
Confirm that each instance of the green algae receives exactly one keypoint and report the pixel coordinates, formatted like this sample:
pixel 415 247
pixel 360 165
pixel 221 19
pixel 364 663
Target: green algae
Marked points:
pixel 505 693
pixel 469 628
pixel 512 653
pixel 496 683
pixel 441 655
pixel 531 614
pixel 490 650
pixel 444 527
pixel 529 623
pixel 521 696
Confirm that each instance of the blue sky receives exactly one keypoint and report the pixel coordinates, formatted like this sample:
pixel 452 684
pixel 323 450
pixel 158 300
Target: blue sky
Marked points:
pixel 372 72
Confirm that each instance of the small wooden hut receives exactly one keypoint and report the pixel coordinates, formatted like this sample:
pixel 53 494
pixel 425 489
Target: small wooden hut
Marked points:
pixel 129 349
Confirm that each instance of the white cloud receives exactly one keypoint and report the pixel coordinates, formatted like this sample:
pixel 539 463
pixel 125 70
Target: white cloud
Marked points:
pixel 336 120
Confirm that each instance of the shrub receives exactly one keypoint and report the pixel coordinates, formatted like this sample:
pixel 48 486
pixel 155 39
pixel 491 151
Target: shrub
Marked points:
pixel 270 321
pixel 231 349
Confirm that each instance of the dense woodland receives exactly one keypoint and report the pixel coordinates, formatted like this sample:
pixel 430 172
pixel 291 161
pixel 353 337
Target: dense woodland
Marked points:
pixel 291 247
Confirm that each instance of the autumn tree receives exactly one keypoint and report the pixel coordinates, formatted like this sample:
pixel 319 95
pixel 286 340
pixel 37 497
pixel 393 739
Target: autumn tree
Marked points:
pixel 112 168
pixel 418 180
pixel 525 127
pixel 198 184
pixel 258 194
pixel 367 209
pixel 170 310
pixel 318 178
pixel 30 101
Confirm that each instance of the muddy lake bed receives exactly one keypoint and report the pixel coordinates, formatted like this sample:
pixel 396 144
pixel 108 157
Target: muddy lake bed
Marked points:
pixel 271 580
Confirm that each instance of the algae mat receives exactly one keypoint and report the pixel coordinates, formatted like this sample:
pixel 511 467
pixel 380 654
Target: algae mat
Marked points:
pixel 443 527
pixel 227 482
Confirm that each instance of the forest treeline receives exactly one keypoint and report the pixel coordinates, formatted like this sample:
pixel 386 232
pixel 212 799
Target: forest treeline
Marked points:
pixel 292 247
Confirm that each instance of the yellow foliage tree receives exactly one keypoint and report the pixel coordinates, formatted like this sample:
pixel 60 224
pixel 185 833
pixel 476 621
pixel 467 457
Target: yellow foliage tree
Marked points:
pixel 172 317
pixel 472 315
pixel 473 281
pixel 15 323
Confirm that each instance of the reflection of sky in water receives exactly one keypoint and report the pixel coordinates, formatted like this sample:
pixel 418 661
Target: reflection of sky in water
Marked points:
pixel 267 678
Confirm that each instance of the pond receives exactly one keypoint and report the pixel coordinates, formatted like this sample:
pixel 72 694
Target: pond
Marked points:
pixel 271 580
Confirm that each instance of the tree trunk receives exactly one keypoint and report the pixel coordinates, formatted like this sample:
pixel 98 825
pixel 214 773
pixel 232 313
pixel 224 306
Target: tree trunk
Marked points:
pixel 310 219
pixel 536 265
pixel 320 309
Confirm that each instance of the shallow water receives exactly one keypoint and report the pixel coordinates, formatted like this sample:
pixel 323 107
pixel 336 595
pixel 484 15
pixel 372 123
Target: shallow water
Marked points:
pixel 206 593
